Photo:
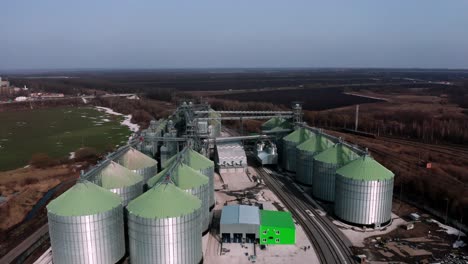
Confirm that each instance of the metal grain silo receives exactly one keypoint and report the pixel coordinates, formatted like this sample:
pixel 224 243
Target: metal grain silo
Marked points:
pixel 325 166
pixel 139 163
pixel 200 163
pixel 164 226
pixel 120 180
pixel 272 123
pixel 290 143
pixel 279 133
pixel 305 153
pixel 364 192
pixel 86 225
pixel 191 181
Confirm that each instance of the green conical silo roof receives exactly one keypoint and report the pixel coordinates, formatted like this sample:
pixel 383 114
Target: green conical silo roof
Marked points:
pixel 299 135
pixel 116 176
pixel 192 158
pixel 316 143
pixel 272 123
pixel 183 176
pixel 365 168
pixel 337 154
pixel 84 198
pixel 134 160
pixel 164 201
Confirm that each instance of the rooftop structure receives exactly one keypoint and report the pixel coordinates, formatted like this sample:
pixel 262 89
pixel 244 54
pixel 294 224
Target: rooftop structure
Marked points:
pixel 230 157
pixel 276 228
pixel 239 223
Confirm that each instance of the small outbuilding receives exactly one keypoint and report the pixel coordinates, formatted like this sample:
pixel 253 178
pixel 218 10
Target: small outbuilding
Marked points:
pixel 239 223
pixel 276 228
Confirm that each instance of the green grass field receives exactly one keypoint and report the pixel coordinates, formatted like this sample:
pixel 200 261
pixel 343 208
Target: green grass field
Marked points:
pixel 57 132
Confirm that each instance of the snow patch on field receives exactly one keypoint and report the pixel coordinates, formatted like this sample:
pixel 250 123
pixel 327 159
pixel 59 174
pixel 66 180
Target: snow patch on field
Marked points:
pixel 458 244
pixel 448 229
pixel 126 122
pixel 108 110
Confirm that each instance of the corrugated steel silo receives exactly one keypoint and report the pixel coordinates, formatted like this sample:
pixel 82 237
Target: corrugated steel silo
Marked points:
pixel 86 225
pixel 200 163
pixel 325 166
pixel 364 192
pixel 120 180
pixel 139 163
pixel 190 181
pixel 164 227
pixel 305 157
pixel 290 143
pixel 272 123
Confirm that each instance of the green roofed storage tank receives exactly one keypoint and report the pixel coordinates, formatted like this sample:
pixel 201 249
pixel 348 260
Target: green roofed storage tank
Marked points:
pixel 120 180
pixel 325 166
pixel 290 143
pixel 86 225
pixel 199 163
pixel 164 226
pixel 305 157
pixel 272 123
pixel 191 181
pixel 364 190
pixel 139 163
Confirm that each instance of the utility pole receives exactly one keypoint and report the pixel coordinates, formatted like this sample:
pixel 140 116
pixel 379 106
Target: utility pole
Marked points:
pixel 356 122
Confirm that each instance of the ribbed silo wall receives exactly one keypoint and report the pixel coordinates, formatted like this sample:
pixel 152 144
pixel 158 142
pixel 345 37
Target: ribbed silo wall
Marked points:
pixel 289 155
pixel 176 240
pixel 147 172
pixel 95 238
pixel 323 184
pixel 209 172
pixel 202 193
pixel 129 193
pixel 305 166
pixel 363 202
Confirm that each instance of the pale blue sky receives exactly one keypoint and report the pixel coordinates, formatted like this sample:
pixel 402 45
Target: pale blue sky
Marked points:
pixel 224 33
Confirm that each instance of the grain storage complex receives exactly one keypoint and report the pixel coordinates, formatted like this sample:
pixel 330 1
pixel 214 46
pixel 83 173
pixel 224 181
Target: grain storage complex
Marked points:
pixel 166 224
